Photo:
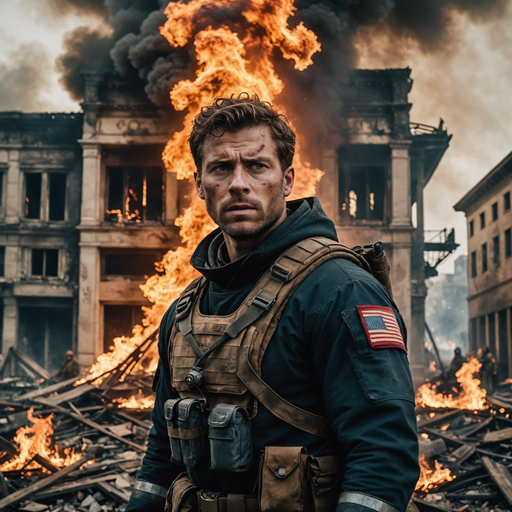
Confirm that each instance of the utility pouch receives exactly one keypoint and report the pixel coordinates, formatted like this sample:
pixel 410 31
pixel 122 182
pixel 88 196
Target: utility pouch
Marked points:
pixel 323 478
pixel 230 438
pixel 193 431
pixel 284 481
pixel 171 418
pixel 182 496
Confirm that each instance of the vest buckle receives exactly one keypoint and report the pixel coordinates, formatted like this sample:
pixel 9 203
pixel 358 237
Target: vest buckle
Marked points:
pixel 280 272
pixel 263 302
pixel 183 306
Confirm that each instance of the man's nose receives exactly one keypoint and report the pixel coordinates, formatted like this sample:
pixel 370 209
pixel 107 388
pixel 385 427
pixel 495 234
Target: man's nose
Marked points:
pixel 239 179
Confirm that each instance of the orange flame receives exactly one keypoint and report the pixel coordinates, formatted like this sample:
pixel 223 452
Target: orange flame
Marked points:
pixel 34 440
pixel 136 402
pixel 472 396
pixel 430 478
pixel 226 65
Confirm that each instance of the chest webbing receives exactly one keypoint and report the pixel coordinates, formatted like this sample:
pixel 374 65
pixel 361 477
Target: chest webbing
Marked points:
pixel 261 312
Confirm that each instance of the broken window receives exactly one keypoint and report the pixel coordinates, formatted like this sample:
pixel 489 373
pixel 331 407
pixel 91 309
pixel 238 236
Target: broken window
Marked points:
pixel 33 195
pixel 45 262
pixel 484 258
pixel 496 250
pixel 135 264
pixel 363 182
pixel 119 321
pixel 508 243
pixel 473 264
pixel 57 195
pixel 46 333
pixel 135 194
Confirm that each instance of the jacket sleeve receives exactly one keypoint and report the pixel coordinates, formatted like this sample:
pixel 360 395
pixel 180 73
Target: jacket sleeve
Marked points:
pixel 369 398
pixel 157 472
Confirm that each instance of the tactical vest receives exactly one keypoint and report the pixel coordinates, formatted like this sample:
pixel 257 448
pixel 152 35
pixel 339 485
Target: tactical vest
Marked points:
pixel 229 349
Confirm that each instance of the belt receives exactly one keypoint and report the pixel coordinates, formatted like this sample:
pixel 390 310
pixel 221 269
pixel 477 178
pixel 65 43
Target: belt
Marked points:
pixel 231 503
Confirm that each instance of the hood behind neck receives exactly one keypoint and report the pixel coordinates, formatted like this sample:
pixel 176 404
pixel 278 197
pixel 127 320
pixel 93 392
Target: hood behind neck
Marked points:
pixel 306 219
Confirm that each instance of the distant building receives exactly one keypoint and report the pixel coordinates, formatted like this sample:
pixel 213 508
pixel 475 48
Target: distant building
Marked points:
pixel 447 309
pixel 489 223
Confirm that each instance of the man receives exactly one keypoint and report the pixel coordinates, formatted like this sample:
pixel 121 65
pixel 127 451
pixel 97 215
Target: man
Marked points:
pixel 70 367
pixel 488 371
pixel 331 383
pixel 456 364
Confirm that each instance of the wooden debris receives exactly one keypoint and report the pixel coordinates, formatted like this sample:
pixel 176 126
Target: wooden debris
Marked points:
pixel 500 474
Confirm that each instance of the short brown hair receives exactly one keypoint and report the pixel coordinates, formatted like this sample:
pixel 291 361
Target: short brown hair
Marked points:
pixel 236 113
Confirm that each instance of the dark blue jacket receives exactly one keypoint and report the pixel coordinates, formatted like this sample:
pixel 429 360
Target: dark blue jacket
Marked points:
pixel 319 359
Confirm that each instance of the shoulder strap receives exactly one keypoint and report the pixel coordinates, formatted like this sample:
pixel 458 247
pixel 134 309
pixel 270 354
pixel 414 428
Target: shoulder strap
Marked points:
pixel 293 267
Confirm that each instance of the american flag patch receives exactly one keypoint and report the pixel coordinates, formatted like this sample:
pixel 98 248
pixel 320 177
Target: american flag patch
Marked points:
pixel 381 327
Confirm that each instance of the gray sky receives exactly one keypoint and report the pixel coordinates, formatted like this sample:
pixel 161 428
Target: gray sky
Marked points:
pixel 467 84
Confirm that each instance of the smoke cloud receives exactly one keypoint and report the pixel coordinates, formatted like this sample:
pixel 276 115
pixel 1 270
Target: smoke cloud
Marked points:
pixel 135 49
pixel 24 78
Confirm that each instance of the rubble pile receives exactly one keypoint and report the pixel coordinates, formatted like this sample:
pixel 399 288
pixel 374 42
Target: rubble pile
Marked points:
pixel 77 445
pixel 70 446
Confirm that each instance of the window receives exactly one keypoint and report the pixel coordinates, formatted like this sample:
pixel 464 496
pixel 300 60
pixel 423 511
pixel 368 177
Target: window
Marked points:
pixel 484 258
pixel 119 321
pixel 2 261
pixel 506 201
pixel 57 188
pixel 471 228
pixel 45 262
pixel 366 196
pixel 1 188
pixel 473 264
pixel 45 195
pixel 134 264
pixel 33 195
pixel 496 250
pixel 482 220
pixel 134 194
pixel 495 211
pixel 508 243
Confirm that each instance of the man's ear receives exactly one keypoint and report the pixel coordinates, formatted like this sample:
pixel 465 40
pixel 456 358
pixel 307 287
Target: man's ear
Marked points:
pixel 199 184
pixel 288 181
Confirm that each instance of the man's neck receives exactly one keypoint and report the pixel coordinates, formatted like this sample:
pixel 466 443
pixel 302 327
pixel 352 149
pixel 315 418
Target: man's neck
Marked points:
pixel 240 247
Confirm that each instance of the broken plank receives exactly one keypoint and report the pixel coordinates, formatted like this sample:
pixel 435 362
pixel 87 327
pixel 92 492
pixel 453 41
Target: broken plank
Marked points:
pixel 69 487
pixel 478 426
pixel 438 418
pixel 45 391
pixel 93 424
pixel 130 418
pixel 497 436
pixel 70 395
pixel 462 453
pixel 30 363
pixel 501 476
pixel 114 492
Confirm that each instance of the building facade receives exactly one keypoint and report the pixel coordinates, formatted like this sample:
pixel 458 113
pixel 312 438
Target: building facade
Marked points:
pixel 121 204
pixel 489 223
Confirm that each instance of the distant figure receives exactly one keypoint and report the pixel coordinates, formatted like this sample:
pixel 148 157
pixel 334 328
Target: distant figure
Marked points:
pixel 456 364
pixel 70 367
pixel 489 370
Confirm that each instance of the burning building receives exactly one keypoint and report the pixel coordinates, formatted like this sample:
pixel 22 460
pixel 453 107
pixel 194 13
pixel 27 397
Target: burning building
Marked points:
pixel 489 226
pixel 80 262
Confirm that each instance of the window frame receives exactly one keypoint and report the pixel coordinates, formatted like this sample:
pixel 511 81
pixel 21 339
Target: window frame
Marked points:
pixel 508 243
pixel 471 228
pixel 506 201
pixel 485 265
pixel 44 276
pixel 482 220
pixel 474 265
pixel 44 209
pixel 124 220
pixel 496 250
pixel 494 210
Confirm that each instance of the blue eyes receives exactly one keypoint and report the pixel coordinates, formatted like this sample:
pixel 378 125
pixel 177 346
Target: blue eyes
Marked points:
pixel 223 168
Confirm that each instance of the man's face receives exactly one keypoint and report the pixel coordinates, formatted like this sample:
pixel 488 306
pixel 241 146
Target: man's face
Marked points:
pixel 242 182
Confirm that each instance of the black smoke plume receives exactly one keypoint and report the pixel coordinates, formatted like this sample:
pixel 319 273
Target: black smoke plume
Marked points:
pixel 136 50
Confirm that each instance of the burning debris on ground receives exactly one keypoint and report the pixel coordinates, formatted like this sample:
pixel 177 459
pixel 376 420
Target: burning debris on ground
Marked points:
pixel 72 445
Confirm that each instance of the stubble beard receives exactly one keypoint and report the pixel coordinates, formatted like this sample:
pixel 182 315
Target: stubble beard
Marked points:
pixel 235 230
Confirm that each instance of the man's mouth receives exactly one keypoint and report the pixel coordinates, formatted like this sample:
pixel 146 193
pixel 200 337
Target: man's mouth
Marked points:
pixel 240 208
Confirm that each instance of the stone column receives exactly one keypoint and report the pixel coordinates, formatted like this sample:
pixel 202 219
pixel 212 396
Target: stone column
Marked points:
pixel 10 325
pixel 89 339
pixel 13 202
pixel 171 198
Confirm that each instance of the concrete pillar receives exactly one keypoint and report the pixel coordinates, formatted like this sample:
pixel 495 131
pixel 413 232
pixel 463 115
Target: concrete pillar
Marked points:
pixel 89 339
pixel 401 228
pixel 10 324
pixel 171 198
pixel 13 203
pixel 91 208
